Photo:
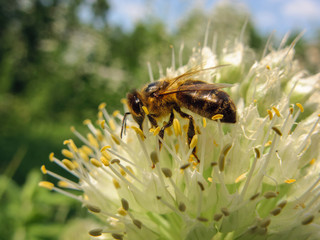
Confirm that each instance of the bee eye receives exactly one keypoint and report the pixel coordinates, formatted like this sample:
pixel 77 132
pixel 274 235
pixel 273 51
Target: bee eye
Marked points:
pixel 136 105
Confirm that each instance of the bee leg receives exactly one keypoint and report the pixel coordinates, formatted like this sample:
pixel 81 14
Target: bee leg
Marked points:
pixel 168 124
pixel 152 120
pixel 191 130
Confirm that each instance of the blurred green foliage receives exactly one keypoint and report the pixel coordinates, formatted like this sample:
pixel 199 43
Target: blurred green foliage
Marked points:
pixel 55 69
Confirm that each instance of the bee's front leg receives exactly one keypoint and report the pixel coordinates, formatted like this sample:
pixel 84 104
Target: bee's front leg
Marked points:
pixel 191 129
pixel 168 124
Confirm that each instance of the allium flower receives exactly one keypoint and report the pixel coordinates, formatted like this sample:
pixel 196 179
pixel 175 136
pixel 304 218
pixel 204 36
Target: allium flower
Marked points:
pixel 257 179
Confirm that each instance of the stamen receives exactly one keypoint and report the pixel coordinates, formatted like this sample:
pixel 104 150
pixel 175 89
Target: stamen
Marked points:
pixel 94 209
pixel 117 236
pixel 307 220
pixel 270 114
pixel 177 127
pixel 96 232
pixel 167 172
pixel 223 155
pixel 299 105
pixel 276 211
pixel 225 211
pixel 217 217
pixel 46 184
pixel 102 106
pixel 69 164
pixel 182 207
pixel 276 111
pixel 92 140
pixel 277 131
pixel 194 141
pixel 217 117
pixel 290 181
pixel 204 122
pixel 156 131
pixel 270 194
pixel 95 162
pixel 67 153
pixel 145 109
pixel 137 223
pixel 138 132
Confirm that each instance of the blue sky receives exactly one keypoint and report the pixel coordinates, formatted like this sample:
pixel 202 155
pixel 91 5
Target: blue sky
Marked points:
pixel 268 15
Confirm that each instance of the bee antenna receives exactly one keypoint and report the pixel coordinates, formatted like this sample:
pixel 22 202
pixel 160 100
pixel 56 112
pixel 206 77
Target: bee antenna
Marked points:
pixel 124 124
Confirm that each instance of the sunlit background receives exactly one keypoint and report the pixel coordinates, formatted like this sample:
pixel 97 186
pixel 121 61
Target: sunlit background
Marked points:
pixel 60 59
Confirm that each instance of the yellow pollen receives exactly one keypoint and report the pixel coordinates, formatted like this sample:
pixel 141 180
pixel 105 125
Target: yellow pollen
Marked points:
pixel 72 128
pixel 176 147
pixel 104 161
pixel 115 113
pixel 67 153
pixel 313 160
pixel 63 184
pixel 268 67
pixel 65 142
pixel 100 115
pixel 43 169
pixel 95 162
pixel 210 179
pixel 102 105
pixel 105 148
pixel 276 110
pixel 145 109
pixel 290 181
pixel 92 140
pixel 319 115
pixel 168 131
pixel 130 169
pixel 270 114
pixel 112 125
pixel 204 122
pixel 138 131
pixel 46 184
pixel 72 145
pixel 102 123
pixel 300 107
pixel 116 183
pixel 255 101
pixel 156 131
pixel 115 139
pixel 87 122
pixel 106 155
pixel 123 101
pixel 68 164
pixel 86 149
pixel 51 155
pixel 75 163
pixel 215 143
pixel 122 172
pixel 217 116
pixel 176 127
pixel 194 141
pixel 122 212
pixel 241 177
pixel 268 144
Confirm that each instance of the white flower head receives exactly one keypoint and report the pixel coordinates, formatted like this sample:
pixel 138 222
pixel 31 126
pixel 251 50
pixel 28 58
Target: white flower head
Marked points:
pixel 256 179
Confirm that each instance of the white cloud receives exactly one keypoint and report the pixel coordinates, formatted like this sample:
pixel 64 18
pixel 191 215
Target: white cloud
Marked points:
pixel 306 9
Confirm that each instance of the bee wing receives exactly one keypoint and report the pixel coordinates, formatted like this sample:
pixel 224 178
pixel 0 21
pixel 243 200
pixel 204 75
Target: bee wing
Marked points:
pixel 192 72
pixel 196 87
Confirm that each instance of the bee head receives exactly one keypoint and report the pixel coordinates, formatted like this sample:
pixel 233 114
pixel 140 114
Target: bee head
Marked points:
pixel 135 107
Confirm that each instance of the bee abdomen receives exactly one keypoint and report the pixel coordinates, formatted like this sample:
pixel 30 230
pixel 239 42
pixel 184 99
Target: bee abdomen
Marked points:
pixel 209 103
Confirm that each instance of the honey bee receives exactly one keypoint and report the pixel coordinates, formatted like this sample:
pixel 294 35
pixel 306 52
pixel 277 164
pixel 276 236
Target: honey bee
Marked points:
pixel 159 98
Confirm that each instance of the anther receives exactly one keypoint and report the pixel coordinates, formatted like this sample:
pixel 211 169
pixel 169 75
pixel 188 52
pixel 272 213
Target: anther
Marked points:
pixel 204 122
pixel 290 181
pixel 253 197
pixel 95 232
pixel 139 132
pixel 202 219
pixel 117 236
pixel 276 111
pixel 257 152
pixel 154 157
pixel 116 183
pixel 276 211
pixel 115 139
pixel 93 209
pixel 125 204
pixel 167 172
pixel 156 131
pixel 113 161
pixel 95 162
pixel 222 157
pixel 122 212
pixel 67 153
pixel 46 184
pixel 102 123
pixel 145 109
pixel 92 140
pixel 217 117
pixel 176 127
pixel 217 217
pixel 102 106
pixel 270 114
pixel 225 211
pixel 277 131
pixel 201 186
pixel 182 207
pixel 137 223
pixel 265 223
pixel 300 107
pixel 213 164
pixel 194 141
pixel 270 194
pixel 51 155
pixel 43 169
pixel 68 164
pixel 282 204
pixel 313 160
pixel 87 122
pixel 307 220
pixel 184 166
pixel 104 161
